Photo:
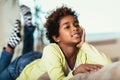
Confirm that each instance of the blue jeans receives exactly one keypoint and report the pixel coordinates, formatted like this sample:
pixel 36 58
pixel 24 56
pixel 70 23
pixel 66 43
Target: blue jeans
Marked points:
pixel 11 70
pixel 28 41
pixel 16 67
pixel 5 60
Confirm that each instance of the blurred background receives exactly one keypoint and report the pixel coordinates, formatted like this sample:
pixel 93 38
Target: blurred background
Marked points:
pixel 100 18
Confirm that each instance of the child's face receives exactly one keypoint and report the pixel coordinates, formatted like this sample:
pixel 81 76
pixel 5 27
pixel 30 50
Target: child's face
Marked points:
pixel 69 30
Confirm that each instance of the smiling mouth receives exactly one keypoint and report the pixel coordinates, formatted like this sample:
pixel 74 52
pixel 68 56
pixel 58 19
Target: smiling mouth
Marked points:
pixel 76 35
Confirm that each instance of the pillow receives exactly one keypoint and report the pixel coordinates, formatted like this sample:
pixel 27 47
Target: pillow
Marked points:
pixel 110 72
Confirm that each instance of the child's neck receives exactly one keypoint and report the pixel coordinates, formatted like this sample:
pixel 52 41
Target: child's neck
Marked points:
pixel 69 51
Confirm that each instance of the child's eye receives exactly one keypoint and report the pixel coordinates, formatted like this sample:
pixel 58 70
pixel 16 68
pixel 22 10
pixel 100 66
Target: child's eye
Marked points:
pixel 67 27
pixel 76 24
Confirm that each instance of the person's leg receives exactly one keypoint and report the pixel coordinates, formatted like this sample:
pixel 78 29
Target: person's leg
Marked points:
pixel 9 73
pixel 26 59
pixel 4 75
pixel 5 59
pixel 14 39
pixel 8 51
pixel 13 70
pixel 16 67
pixel 28 42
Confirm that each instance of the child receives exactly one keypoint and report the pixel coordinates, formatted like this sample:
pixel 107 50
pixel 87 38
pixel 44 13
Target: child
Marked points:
pixel 67 54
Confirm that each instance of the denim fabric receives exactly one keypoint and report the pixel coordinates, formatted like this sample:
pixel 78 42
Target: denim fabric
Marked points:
pixel 10 71
pixel 19 63
pixel 28 41
pixel 5 75
pixel 5 59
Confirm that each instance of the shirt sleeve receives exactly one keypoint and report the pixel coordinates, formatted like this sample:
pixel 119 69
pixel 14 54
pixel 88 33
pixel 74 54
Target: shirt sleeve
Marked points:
pixel 55 64
pixel 94 56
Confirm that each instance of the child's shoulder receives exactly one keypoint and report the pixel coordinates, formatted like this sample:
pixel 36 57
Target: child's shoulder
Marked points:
pixel 51 46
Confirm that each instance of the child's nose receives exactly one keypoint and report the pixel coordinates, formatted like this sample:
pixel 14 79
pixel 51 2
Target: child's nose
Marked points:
pixel 74 28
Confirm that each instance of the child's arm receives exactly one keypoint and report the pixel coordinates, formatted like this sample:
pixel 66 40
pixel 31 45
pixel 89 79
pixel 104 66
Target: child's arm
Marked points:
pixel 87 68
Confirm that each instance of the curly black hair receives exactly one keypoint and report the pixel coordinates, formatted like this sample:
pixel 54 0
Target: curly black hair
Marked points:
pixel 52 21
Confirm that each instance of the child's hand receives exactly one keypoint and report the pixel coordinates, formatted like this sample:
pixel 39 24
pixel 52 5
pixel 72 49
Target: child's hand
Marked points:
pixel 79 45
pixel 87 68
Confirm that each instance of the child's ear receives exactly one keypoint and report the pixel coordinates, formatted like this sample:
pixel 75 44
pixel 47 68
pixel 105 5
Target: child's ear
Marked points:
pixel 56 39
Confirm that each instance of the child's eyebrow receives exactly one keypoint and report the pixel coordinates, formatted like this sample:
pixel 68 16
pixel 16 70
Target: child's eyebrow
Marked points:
pixel 68 22
pixel 65 23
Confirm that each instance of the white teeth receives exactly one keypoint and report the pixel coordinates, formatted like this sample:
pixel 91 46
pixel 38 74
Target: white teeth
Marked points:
pixel 76 35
